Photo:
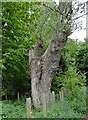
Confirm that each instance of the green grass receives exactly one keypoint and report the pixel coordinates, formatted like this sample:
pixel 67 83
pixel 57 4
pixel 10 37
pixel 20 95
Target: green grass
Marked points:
pixel 12 109
pixel 17 109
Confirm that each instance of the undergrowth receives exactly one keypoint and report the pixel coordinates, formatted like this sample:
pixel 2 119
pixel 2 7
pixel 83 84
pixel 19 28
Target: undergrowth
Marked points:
pixel 62 109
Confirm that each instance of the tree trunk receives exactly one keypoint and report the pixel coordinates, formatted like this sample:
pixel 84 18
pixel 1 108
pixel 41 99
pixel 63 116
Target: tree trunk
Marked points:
pixel 35 66
pixel 43 67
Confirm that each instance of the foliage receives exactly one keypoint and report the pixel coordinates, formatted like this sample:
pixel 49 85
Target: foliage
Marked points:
pixel 71 48
pixel 21 28
pixel 65 109
pixel 58 77
pixel 72 83
pixel 67 71
pixel 82 60
pixel 13 109
pixel 74 86
pixel 22 25
pixel 15 48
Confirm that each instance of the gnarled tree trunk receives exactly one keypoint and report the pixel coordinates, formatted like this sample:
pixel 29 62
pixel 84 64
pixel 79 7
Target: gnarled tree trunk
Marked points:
pixel 43 66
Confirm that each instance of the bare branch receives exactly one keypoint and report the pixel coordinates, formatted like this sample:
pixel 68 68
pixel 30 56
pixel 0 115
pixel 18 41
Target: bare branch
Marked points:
pixel 80 16
pixel 60 12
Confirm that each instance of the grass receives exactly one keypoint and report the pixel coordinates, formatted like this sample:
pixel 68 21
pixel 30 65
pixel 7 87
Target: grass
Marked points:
pixel 12 109
pixel 65 109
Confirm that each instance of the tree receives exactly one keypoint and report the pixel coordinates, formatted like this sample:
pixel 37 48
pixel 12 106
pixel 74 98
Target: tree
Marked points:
pixel 44 57
pixel 15 45
pixel 44 65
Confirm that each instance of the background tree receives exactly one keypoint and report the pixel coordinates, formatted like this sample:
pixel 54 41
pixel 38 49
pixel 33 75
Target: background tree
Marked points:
pixel 15 48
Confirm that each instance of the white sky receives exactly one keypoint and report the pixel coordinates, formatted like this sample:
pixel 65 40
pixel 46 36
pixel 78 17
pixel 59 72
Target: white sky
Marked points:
pixel 79 34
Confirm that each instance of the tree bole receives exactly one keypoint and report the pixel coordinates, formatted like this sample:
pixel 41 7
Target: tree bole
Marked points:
pixel 44 66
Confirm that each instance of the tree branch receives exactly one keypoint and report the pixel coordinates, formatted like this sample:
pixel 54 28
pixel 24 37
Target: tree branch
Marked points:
pixel 80 16
pixel 60 12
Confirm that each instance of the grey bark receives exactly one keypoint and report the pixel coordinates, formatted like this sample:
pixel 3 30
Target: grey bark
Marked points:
pixel 35 66
pixel 44 66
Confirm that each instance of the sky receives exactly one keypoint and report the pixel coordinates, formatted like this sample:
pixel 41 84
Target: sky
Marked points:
pixel 79 34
